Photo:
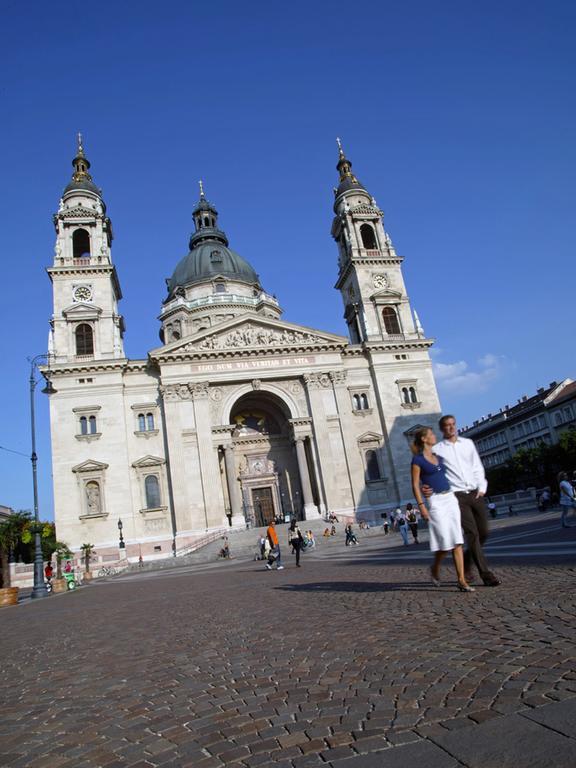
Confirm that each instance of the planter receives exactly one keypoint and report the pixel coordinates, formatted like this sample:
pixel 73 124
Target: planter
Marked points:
pixel 87 576
pixel 59 585
pixel 9 596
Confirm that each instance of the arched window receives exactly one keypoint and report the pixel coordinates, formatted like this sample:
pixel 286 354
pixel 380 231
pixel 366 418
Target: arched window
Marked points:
pixel 405 395
pixel 150 421
pixel 364 402
pixel 368 237
pixel 412 393
pixel 206 221
pixel 81 244
pixel 372 466
pixel 152 488
pixel 84 339
pixel 220 288
pixel 83 425
pixel 141 422
pixel 356 402
pixel 390 318
pixel 92 424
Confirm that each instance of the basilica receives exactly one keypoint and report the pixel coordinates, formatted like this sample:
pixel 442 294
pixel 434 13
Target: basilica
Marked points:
pixel 239 416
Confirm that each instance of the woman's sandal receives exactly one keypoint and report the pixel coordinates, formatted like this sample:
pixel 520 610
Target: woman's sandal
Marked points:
pixel 435 581
pixel 466 588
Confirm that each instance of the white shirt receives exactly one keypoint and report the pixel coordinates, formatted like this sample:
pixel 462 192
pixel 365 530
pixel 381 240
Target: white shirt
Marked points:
pixel 464 469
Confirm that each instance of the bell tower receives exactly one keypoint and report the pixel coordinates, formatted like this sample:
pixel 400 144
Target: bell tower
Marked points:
pixel 86 324
pixel 376 306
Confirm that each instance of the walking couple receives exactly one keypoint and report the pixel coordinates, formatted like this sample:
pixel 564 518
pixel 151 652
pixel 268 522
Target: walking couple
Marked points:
pixel 451 477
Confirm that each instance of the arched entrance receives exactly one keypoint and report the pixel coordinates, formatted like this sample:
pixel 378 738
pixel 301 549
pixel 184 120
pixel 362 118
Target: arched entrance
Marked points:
pixel 265 459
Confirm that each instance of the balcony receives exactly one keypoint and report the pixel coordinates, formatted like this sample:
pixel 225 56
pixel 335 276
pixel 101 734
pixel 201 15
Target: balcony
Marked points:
pixel 82 261
pixel 83 358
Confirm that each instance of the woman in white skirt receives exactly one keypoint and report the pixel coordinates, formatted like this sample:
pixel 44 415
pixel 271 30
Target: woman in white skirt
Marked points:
pixel 444 513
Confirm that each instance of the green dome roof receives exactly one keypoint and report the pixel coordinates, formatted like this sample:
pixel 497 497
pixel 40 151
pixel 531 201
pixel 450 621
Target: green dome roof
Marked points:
pixel 207 259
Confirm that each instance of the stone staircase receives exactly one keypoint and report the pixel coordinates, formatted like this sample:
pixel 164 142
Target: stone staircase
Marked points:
pixel 244 545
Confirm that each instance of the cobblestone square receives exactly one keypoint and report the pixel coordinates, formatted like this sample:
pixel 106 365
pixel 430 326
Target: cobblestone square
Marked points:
pixel 354 660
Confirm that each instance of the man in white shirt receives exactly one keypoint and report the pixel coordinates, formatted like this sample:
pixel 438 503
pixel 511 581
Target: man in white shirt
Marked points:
pixel 467 480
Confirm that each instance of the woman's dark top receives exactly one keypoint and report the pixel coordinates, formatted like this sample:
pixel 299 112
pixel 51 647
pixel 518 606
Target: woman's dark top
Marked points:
pixel 432 474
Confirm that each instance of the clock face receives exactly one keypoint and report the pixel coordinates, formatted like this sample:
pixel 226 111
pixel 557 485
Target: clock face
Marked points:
pixel 380 281
pixel 82 293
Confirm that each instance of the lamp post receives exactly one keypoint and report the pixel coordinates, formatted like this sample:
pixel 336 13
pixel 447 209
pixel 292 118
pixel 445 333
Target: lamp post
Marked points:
pixel 121 544
pixel 39 589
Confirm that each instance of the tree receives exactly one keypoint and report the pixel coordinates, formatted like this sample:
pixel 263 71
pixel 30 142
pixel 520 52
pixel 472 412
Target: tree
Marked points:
pixel 87 552
pixel 62 551
pixel 11 531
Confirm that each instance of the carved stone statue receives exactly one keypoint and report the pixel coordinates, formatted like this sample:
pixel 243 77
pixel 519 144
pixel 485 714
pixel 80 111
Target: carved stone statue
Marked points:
pixel 93 500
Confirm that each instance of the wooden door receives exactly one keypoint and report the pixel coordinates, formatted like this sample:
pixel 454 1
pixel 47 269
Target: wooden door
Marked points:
pixel 263 505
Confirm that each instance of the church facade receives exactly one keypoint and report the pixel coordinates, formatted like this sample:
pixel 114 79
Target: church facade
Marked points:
pixel 239 416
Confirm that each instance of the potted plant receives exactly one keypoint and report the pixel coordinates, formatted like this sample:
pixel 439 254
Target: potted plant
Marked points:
pixel 10 536
pixel 87 552
pixel 62 551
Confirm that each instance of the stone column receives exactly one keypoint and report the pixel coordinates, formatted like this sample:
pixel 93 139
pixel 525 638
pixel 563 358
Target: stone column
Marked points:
pixel 233 489
pixel 310 509
pixel 208 453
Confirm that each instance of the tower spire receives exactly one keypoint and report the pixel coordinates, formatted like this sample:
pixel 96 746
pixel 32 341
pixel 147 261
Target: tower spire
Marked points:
pixel 201 185
pixel 344 166
pixel 81 164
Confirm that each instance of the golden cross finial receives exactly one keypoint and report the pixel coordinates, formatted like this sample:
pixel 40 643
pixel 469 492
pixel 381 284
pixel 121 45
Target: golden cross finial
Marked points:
pixel 80 147
pixel 340 150
pixel 201 188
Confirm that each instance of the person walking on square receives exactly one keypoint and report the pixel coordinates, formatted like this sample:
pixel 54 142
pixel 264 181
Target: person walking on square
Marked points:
pixel 412 521
pixel 274 556
pixel 295 539
pixel 444 513
pixel 567 498
pixel 403 527
pixel 467 480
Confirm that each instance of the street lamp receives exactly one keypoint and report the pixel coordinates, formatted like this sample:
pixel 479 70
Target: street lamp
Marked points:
pixel 121 543
pixel 39 589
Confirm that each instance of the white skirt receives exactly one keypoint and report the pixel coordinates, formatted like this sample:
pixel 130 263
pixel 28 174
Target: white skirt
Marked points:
pixel 444 526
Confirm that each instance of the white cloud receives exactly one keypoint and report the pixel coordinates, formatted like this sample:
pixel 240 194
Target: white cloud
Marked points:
pixel 462 378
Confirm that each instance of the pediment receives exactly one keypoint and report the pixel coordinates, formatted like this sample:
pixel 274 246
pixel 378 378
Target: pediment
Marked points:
pixel 251 333
pixel 148 461
pixel 387 294
pixel 81 310
pixel 370 437
pixel 90 466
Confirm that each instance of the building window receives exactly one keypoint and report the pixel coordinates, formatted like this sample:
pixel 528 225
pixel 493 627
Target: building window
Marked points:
pixel 146 422
pixel 83 425
pixel 220 288
pixel 412 395
pixel 152 488
pixel 360 401
pixel 84 339
pixel 88 425
pixel 81 244
pixel 356 402
pixel 149 421
pixel 372 466
pixel 92 425
pixel 405 395
pixel 368 237
pixel 141 422
pixel 390 319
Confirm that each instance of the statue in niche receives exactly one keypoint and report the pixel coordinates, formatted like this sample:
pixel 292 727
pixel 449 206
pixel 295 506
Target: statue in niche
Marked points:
pixel 93 499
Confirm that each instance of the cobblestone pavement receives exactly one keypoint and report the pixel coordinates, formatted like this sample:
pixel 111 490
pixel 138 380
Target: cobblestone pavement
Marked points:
pixel 353 661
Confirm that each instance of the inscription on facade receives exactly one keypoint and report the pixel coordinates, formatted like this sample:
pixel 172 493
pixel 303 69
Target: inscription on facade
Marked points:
pixel 252 365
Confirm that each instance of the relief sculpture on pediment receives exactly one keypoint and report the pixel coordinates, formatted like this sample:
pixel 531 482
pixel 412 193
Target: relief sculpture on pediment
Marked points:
pixel 251 336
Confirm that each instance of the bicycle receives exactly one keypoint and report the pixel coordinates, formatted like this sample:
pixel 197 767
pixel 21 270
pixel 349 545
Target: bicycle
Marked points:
pixel 107 571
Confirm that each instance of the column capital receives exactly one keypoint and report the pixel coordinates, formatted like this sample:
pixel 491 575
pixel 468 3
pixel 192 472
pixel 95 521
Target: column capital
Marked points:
pixel 338 377
pixel 316 380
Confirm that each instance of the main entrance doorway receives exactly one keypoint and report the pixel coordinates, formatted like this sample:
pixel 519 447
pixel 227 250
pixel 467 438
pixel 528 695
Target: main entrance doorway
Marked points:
pixel 263 505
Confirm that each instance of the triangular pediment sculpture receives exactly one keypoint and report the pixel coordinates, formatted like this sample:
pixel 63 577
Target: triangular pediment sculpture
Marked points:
pixel 387 293
pixel 369 437
pixel 251 333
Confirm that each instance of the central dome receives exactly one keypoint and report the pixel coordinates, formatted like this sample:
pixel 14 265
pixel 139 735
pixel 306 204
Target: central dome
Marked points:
pixel 209 254
pixel 206 260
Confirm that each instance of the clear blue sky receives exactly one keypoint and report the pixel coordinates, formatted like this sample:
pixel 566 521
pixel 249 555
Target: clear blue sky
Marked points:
pixel 459 118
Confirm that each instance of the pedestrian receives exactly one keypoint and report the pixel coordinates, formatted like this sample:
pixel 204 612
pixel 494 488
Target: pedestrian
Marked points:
pixel 310 540
pixel 333 531
pixel 467 480
pixel 48 572
pixel 385 523
pixel 350 536
pixel 412 521
pixel 274 555
pixel 492 510
pixel 396 517
pixel 140 561
pixel 444 512
pixel 567 499
pixel 296 540
pixel 403 527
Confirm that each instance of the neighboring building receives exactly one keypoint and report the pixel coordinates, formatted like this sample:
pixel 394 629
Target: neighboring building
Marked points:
pixel 239 416
pixel 533 420
pixel 5 512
